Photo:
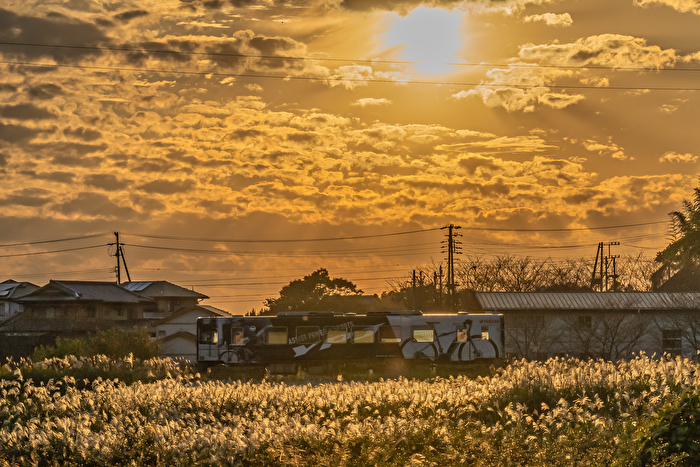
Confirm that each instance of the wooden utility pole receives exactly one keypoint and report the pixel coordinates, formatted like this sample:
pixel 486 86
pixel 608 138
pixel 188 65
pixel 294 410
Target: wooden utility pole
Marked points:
pixel 119 253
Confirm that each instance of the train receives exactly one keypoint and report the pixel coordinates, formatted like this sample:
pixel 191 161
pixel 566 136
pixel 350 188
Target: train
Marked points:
pixel 320 341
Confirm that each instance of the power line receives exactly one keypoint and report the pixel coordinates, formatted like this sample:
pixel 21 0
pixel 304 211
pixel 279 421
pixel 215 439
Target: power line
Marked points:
pixel 109 271
pixel 358 80
pixel 268 253
pixel 39 242
pixel 567 229
pixel 408 232
pixel 286 240
pixel 333 59
pixel 52 251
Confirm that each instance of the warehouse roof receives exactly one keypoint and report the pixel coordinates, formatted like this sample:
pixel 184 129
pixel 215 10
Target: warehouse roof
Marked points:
pixel 637 301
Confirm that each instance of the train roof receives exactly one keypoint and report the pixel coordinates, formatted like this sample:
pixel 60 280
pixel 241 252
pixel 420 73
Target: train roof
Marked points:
pixel 334 313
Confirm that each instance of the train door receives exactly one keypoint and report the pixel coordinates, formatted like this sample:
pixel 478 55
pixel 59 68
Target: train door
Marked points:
pixel 207 342
pixel 233 346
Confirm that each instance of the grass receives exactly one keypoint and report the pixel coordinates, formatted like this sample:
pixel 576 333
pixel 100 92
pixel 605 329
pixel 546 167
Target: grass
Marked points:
pixel 562 412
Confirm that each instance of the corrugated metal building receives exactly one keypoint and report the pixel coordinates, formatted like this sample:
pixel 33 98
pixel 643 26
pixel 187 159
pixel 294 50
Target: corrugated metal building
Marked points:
pixel 599 325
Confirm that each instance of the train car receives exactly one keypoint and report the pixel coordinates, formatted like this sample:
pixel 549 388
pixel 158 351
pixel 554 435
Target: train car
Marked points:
pixel 291 341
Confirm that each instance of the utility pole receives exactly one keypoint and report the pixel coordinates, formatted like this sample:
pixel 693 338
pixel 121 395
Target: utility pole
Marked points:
pixel 119 253
pixel 413 295
pixel 452 250
pixel 440 290
pixel 603 266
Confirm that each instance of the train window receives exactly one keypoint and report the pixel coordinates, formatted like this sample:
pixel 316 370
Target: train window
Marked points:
pixel 423 335
pixel 208 336
pixel 364 336
pixel 308 334
pixel 390 334
pixel 236 336
pixel 276 335
pixel 485 333
pixel 334 335
pixel 462 334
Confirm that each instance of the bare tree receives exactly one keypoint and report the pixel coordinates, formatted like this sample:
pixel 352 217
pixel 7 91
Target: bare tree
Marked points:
pixel 635 272
pixel 531 336
pixel 604 335
pixel 618 335
pixel 526 274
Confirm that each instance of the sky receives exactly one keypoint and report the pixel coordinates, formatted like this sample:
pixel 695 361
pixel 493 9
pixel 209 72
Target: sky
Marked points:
pixel 237 145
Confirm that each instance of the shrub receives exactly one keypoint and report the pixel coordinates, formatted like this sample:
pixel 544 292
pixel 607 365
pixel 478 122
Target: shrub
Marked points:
pixel 118 343
pixel 674 433
pixel 63 348
pixel 113 343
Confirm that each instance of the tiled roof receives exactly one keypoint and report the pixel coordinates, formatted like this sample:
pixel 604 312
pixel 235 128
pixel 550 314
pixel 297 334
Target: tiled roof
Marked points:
pixel 11 289
pixel 161 289
pixel 204 311
pixel 83 290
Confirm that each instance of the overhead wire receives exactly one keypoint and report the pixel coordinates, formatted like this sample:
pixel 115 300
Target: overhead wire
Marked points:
pixel 55 240
pixel 287 240
pixel 35 253
pixel 291 254
pixel 99 48
pixel 358 80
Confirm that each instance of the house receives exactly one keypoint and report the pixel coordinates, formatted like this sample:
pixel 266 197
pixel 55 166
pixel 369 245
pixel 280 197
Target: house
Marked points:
pixel 70 309
pixel 177 333
pixel 10 291
pixel 608 325
pixel 79 308
pixel 167 297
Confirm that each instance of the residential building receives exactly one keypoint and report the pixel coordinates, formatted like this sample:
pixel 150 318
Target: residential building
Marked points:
pixel 10 291
pixel 167 297
pixel 79 308
pixel 70 309
pixel 177 333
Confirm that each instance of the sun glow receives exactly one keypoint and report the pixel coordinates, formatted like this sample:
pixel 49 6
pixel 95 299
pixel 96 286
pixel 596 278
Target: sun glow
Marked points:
pixel 429 36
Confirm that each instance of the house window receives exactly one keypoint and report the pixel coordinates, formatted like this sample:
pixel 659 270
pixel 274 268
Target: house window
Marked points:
pixel 671 341
pixel 334 335
pixel 161 334
pixel 390 334
pixel 276 335
pixel 364 336
pixel 585 322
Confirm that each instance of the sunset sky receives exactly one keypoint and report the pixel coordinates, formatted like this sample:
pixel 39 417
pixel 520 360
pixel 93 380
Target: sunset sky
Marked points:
pixel 236 145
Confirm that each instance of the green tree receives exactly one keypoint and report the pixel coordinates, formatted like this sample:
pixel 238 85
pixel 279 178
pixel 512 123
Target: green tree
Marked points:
pixel 315 292
pixel 684 250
